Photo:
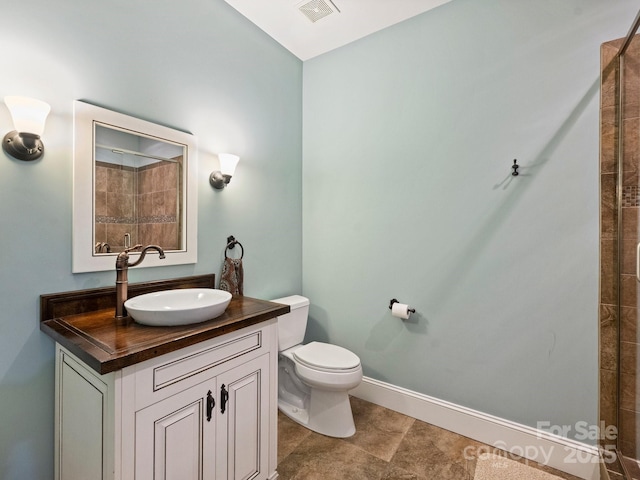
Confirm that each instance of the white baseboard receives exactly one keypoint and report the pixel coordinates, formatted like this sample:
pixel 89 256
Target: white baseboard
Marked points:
pixel 567 455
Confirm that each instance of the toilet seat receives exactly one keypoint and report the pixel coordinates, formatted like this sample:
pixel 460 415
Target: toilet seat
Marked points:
pixel 326 357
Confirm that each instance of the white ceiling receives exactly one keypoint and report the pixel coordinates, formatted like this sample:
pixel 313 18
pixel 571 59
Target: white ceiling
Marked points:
pixel 344 22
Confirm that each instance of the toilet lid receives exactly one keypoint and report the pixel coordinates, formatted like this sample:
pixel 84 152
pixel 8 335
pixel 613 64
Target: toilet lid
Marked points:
pixel 326 356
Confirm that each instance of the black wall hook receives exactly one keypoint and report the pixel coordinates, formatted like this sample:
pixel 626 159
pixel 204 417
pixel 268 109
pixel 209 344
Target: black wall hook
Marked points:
pixel 515 168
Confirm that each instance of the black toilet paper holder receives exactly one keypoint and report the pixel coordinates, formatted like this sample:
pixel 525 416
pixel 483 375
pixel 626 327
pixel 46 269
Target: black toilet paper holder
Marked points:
pixel 393 300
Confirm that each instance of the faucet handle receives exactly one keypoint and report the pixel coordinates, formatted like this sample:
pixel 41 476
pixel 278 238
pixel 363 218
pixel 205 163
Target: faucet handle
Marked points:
pixel 135 247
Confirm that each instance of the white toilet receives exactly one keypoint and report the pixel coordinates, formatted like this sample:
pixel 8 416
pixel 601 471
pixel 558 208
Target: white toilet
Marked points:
pixel 314 379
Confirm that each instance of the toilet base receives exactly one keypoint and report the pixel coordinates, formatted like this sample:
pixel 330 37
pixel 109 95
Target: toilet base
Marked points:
pixel 328 413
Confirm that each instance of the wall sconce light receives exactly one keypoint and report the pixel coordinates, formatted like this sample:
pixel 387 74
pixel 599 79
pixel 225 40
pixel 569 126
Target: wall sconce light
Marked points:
pixel 221 178
pixel 28 116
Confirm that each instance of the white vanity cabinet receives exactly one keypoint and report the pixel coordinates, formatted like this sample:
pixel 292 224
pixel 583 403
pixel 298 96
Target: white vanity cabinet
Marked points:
pixel 204 412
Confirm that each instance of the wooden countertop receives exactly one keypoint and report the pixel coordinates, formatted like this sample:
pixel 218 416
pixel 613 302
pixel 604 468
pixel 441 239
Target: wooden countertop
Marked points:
pixel 106 345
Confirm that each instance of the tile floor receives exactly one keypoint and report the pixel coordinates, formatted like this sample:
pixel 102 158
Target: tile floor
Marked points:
pixel 387 446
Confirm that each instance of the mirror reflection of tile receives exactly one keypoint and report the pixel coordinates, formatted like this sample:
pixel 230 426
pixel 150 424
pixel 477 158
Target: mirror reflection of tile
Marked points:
pixel 144 202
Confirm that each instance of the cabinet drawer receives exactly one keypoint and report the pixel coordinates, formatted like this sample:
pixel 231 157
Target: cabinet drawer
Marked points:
pixel 160 377
pixel 186 366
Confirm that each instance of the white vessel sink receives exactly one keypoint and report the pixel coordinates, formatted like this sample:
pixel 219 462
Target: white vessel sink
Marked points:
pixel 178 307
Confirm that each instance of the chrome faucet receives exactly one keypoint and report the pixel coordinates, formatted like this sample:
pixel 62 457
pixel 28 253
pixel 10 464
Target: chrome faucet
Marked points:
pixel 122 278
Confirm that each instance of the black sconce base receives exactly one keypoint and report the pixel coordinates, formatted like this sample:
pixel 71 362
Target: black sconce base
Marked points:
pixel 219 180
pixel 23 146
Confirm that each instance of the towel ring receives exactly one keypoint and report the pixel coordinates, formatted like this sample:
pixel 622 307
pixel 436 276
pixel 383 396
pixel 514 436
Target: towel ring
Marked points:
pixel 230 246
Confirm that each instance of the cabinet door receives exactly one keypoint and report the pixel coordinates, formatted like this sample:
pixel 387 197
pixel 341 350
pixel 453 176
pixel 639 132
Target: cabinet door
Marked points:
pixel 175 438
pixel 84 414
pixel 243 422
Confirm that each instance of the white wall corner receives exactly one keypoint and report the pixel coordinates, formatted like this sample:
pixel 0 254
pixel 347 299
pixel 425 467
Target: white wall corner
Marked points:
pixel 561 453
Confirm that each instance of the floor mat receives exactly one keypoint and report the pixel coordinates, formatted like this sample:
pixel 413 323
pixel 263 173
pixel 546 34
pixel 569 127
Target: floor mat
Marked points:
pixel 495 467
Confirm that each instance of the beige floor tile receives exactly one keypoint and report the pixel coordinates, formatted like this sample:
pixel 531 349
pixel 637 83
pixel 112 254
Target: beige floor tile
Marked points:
pixel 324 458
pixel 396 473
pixel 290 434
pixel 379 430
pixel 387 446
pixel 432 452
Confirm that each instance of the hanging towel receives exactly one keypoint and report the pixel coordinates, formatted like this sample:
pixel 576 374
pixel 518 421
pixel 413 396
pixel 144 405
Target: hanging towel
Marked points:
pixel 232 277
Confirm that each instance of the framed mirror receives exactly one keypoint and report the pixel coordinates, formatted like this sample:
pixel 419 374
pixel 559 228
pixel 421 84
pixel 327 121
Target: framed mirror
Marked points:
pixel 134 182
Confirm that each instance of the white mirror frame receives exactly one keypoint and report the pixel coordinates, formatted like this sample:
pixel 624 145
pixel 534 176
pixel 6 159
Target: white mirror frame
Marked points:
pixel 84 258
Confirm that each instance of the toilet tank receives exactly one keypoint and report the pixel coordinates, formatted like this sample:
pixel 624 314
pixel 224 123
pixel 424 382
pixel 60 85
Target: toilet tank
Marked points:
pixel 291 326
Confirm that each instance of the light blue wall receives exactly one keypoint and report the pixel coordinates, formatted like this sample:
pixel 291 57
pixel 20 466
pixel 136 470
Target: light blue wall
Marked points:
pixel 409 137
pixel 192 64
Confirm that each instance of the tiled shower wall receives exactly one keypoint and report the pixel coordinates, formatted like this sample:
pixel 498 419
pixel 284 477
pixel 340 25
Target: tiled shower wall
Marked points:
pixel 157 204
pixel 619 402
pixel 140 201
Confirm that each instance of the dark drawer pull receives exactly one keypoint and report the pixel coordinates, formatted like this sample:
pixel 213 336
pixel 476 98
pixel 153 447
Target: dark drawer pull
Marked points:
pixel 211 403
pixel 224 397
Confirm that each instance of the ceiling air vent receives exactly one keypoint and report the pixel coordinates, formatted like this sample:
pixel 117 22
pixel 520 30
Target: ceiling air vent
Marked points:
pixel 316 9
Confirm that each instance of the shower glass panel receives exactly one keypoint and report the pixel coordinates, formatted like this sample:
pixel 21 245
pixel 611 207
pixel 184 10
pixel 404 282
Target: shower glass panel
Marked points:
pixel 620 250
pixel 628 193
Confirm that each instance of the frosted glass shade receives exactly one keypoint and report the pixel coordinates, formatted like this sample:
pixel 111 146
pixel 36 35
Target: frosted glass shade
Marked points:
pixel 28 114
pixel 228 163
